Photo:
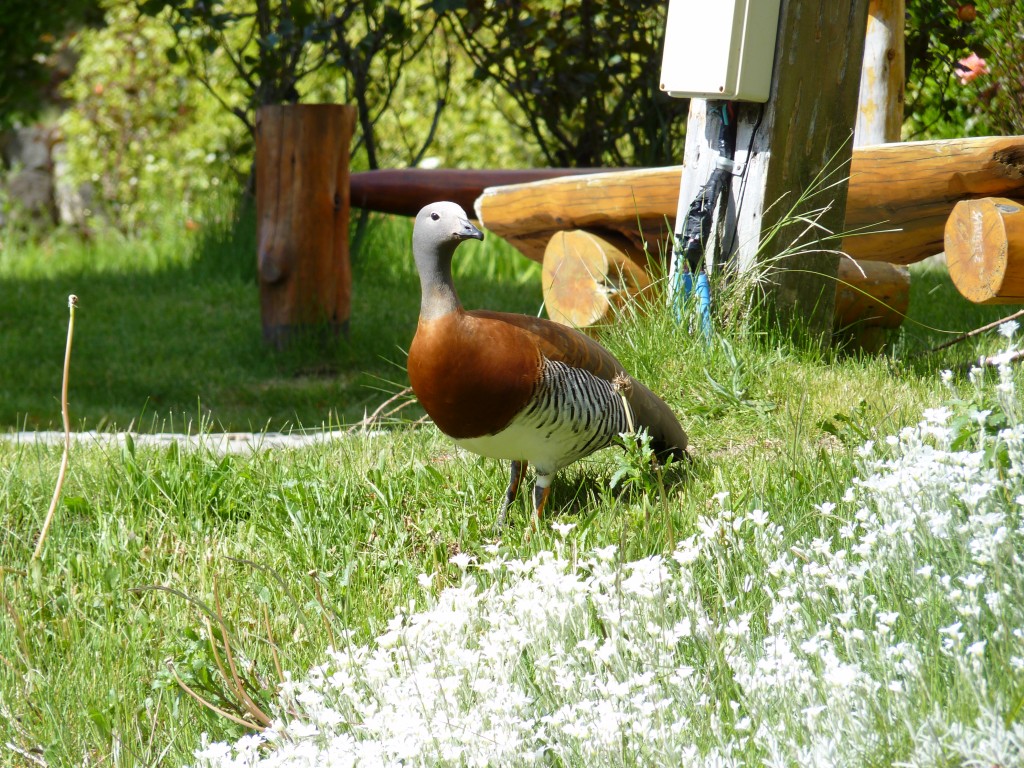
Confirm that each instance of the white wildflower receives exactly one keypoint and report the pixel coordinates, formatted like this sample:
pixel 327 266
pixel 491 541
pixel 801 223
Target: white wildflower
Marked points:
pixel 1009 328
pixel 461 560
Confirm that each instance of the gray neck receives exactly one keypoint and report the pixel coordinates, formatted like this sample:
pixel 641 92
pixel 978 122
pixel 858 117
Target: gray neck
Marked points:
pixel 438 297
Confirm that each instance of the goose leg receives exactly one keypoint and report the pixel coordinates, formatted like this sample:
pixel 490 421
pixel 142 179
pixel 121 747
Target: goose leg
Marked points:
pixel 515 480
pixel 541 491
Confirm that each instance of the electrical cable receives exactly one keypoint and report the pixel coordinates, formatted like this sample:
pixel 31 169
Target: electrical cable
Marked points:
pixel 689 246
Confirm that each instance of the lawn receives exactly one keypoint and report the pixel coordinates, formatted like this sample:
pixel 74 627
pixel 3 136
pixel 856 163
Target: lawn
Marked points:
pixel 163 563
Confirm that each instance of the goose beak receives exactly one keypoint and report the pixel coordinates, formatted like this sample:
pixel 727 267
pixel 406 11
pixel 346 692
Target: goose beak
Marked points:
pixel 468 231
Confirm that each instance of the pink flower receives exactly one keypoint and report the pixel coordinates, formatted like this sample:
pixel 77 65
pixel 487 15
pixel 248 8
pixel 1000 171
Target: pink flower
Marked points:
pixel 970 68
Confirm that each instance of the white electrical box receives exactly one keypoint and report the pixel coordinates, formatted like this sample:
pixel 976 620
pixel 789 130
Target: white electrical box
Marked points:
pixel 720 49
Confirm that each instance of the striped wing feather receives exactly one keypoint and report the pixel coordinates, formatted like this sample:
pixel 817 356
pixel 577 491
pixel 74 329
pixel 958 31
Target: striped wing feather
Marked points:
pixel 566 345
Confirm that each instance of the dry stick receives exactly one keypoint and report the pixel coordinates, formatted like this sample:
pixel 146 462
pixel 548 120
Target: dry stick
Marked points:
pixel 369 420
pixel 72 303
pixel 209 705
pixel 247 702
pixel 273 645
pixel 976 331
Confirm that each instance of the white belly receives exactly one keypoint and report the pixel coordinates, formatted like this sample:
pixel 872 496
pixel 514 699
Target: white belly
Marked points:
pixel 572 415
pixel 546 450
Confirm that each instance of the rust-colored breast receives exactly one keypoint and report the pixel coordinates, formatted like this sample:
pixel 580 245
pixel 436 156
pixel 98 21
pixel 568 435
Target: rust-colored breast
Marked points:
pixel 472 374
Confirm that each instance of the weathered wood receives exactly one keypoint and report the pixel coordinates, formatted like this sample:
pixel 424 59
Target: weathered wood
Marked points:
pixel 871 294
pixel 881 100
pixel 302 207
pixel 910 187
pixel 874 295
pixel 985 250
pixel 588 276
pixel 404 191
pixel 785 145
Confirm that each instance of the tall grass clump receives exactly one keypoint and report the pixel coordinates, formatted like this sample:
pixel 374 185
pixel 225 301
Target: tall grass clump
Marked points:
pixel 883 626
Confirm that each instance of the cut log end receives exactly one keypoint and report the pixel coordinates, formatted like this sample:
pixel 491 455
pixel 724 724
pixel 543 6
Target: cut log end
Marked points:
pixel 587 276
pixel 984 242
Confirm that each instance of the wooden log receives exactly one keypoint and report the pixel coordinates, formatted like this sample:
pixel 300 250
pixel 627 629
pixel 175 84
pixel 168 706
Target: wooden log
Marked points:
pixel 910 186
pixel 302 207
pixel 638 205
pixel 404 191
pixel 587 276
pixel 985 250
pixel 872 294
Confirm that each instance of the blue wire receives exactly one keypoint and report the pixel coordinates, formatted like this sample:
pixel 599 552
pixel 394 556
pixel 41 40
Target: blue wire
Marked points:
pixel 703 293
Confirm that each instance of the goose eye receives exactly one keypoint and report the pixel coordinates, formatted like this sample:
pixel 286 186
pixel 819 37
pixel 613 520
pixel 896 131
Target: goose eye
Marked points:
pixel 435 216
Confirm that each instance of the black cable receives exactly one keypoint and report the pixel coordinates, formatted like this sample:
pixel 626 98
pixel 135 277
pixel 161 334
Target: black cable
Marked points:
pixel 697 224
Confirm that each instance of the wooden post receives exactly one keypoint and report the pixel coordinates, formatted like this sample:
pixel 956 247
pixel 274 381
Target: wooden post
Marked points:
pixel 302 206
pixel 785 144
pixel 879 121
pixel 985 250
pixel 880 105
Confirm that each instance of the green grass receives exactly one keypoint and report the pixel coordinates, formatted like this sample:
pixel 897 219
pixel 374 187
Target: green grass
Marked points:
pixel 169 331
pixel 334 536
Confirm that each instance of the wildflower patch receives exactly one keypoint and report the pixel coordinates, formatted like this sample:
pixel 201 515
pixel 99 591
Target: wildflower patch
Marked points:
pixel 890 629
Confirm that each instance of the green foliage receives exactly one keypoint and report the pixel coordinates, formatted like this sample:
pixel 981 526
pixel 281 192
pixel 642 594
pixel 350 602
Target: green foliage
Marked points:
pixel 269 47
pixel 31 32
pixel 272 49
pixel 1001 29
pixel 144 137
pixel 168 329
pixel 939 35
pixel 84 643
pixel 584 74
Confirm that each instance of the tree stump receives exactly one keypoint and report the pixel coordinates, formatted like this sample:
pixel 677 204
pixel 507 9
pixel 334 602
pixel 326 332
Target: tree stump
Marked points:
pixel 985 250
pixel 587 276
pixel 302 207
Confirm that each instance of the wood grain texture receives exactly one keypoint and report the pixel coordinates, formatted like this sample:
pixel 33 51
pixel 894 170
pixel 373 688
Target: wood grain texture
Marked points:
pixel 984 242
pixel 805 129
pixel 587 277
pixel 911 187
pixel 302 207
pixel 881 100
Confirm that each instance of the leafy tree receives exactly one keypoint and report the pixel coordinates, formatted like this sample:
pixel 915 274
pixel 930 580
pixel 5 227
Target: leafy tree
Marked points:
pixel 146 141
pixel 273 46
pixel 584 73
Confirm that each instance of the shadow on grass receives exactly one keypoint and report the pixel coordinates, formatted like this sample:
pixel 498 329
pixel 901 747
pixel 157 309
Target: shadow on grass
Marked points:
pixel 168 335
